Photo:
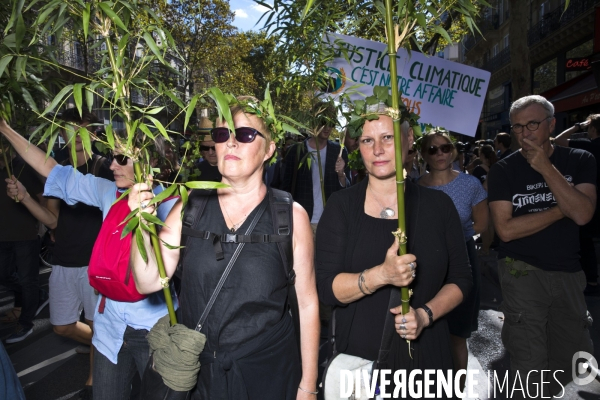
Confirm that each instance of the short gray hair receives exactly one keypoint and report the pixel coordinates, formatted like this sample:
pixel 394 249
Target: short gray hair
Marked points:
pixel 527 101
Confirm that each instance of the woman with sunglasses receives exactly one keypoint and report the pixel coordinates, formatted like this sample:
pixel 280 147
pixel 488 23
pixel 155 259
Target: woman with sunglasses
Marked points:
pixel 115 323
pixel 358 266
pixel 470 200
pixel 250 314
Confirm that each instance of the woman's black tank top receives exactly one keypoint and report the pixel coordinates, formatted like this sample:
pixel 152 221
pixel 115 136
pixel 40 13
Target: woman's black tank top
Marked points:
pixel 253 298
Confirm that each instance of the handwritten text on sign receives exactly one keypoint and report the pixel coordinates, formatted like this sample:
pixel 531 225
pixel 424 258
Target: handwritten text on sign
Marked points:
pixel 443 93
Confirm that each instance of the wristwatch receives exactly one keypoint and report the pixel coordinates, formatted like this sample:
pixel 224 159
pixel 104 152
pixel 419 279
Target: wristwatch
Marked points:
pixel 429 313
pixel 578 125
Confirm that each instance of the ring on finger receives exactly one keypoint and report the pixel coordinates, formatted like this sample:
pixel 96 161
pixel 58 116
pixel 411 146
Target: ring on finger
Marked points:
pixel 403 336
pixel 414 274
pixel 402 327
pixel 404 320
pixel 412 265
pixel 143 205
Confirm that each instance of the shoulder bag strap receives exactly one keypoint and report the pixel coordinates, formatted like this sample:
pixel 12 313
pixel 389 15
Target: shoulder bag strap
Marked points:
pixel 221 282
pixel 283 222
pixel 193 211
pixel 395 299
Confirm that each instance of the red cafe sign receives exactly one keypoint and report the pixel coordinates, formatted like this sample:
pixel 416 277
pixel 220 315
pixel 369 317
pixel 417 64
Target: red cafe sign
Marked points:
pixel 578 64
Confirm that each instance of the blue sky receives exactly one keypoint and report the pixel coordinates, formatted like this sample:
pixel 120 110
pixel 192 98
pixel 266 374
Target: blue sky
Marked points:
pixel 247 14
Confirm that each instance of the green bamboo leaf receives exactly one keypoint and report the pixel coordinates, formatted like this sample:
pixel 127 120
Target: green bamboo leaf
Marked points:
pixel 190 110
pixel 4 62
pixel 86 20
pixel 131 225
pixel 307 8
pixel 144 128
pixel 183 194
pixel 89 99
pixel 46 12
pixel 154 111
pixel 421 20
pixel 122 48
pixel 110 137
pixel 153 47
pixel 19 32
pixel 21 67
pixel 105 6
pixel 174 98
pixel 159 126
pixel 139 239
pixel 85 140
pixel 170 191
pixel 205 185
pixel 222 105
pixel 9 40
pixel 57 99
pixel 29 100
pixel 78 97
pixel 170 246
pixel 152 218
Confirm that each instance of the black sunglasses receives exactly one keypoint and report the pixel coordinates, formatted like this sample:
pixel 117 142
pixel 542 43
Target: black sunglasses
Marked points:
pixel 445 148
pixel 207 148
pixel 120 159
pixel 243 135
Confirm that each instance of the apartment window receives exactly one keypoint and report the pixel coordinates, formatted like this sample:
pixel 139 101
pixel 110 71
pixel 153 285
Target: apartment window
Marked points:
pixel 501 11
pixel 505 40
pixel 544 77
pixel 495 50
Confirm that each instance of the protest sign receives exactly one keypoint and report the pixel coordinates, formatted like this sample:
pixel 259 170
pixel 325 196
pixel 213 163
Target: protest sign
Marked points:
pixel 443 93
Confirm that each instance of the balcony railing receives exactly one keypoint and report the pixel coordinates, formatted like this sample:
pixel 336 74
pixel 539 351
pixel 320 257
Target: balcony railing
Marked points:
pixel 498 61
pixel 556 19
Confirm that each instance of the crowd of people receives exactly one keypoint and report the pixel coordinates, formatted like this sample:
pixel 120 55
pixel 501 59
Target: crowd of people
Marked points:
pixel 533 201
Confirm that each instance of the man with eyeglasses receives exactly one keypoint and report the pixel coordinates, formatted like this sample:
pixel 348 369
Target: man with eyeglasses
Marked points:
pixel 208 166
pixel 539 196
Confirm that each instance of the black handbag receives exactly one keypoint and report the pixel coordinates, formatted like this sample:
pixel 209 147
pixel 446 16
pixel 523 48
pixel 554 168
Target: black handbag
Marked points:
pixel 153 386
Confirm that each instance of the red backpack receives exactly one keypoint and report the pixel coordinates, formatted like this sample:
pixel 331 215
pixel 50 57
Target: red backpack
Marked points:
pixel 109 271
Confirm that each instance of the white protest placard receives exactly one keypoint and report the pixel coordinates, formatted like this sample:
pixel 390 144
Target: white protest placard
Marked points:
pixel 443 93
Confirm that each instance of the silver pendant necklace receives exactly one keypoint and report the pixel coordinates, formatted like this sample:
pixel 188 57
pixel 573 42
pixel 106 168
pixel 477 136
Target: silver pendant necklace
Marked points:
pixel 386 212
pixel 234 227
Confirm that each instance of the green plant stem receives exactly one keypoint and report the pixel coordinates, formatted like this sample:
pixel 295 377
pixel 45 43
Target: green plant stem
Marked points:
pixel 7 166
pixel 320 170
pixel 158 254
pixel 389 26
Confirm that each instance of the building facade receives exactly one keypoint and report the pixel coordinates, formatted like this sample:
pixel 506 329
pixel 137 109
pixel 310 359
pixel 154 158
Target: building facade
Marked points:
pixel 562 45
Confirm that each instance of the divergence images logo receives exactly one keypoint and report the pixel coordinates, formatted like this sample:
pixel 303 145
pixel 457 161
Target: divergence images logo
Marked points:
pixel 580 368
pixel 334 82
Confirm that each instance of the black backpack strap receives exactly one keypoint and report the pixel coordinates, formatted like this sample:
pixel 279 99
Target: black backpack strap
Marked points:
pixel 193 210
pixel 281 204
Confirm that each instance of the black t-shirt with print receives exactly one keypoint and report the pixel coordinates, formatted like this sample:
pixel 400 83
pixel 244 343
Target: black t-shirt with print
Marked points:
pixel 78 225
pixel 556 247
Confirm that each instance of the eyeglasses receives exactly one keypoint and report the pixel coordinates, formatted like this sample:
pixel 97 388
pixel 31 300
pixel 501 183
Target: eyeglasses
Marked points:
pixel 120 159
pixel 243 135
pixel 445 148
pixel 531 126
pixel 207 148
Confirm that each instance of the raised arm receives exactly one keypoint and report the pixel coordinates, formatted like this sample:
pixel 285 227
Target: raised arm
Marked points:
pixel 32 155
pixel 147 278
pixel 308 302
pixel 563 138
pixel 37 207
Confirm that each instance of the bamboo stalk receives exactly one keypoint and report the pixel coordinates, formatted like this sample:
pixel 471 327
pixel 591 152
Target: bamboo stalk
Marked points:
pixel 158 254
pixel 320 168
pixel 8 171
pixel 389 26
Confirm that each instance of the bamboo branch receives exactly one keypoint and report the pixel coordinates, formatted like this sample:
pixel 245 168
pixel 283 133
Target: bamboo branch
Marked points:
pixel 389 25
pixel 158 254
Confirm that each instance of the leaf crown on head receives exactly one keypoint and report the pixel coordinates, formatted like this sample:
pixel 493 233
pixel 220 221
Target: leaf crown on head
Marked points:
pixel 380 103
pixel 277 124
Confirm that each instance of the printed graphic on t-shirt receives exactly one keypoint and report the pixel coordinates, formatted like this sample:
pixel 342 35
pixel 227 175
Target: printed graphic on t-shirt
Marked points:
pixel 539 200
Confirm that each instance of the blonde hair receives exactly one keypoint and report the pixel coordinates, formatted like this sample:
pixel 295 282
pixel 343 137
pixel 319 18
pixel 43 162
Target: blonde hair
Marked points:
pixel 263 128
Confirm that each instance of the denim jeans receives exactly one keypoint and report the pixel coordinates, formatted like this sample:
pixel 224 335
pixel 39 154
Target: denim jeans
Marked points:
pixel 113 381
pixel 22 257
